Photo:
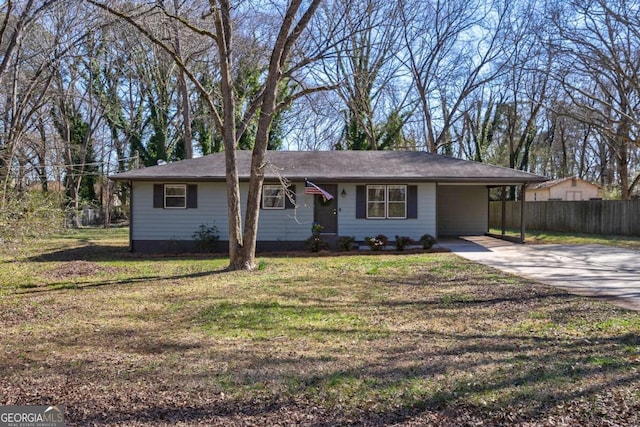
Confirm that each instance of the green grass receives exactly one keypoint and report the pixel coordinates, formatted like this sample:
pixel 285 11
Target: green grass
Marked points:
pixel 422 338
pixel 539 237
pixel 268 320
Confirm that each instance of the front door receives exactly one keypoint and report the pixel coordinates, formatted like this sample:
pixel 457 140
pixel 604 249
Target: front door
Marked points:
pixel 326 213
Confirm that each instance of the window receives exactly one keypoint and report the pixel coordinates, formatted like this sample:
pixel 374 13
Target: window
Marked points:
pixel 175 196
pixel 386 201
pixel 397 201
pixel 273 197
pixel 376 197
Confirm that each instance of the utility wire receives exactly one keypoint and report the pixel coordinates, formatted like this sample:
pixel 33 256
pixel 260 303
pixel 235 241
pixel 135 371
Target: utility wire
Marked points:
pixel 62 165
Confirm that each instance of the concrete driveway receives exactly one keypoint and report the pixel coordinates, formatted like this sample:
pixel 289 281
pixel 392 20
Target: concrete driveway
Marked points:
pixel 592 270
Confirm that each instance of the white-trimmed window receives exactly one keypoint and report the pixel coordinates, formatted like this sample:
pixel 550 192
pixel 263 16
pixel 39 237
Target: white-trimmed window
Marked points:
pixel 397 201
pixel 376 201
pixel 175 196
pixel 273 197
pixel 386 201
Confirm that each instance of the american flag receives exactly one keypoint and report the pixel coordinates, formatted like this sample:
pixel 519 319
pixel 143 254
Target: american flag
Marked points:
pixel 311 188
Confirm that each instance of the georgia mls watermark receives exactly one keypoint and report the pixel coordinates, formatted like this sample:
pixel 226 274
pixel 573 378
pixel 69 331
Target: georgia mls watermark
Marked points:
pixel 32 416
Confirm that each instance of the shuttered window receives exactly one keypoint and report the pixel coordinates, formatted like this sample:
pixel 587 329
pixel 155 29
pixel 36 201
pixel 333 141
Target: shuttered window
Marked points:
pixel 387 201
pixel 175 196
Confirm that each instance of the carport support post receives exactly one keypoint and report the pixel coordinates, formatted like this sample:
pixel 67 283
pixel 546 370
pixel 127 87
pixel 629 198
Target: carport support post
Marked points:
pixel 522 214
pixel 503 196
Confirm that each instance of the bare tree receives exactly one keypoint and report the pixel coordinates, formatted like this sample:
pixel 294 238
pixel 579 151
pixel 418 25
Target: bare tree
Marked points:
pixel 365 71
pixel 451 49
pixel 39 39
pixel 34 36
pixel 570 147
pixel 528 83
pixel 600 46
pixel 77 119
pixel 479 125
pixel 283 62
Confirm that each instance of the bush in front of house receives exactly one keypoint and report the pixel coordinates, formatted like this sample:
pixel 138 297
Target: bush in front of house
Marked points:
pixel 206 238
pixel 346 243
pixel 427 241
pixel 376 243
pixel 316 244
pixel 316 228
pixel 402 242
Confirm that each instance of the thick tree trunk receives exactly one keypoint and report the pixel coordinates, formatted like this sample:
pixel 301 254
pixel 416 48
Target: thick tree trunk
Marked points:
pixel 242 257
pixel 246 257
pixel 257 176
pixel 236 247
pixel 224 31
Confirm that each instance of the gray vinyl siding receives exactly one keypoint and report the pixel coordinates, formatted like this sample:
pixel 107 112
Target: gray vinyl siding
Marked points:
pixel 349 225
pixel 285 224
pixel 179 224
pixel 462 210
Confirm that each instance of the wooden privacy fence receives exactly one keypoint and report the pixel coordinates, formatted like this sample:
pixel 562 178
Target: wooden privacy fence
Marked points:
pixel 614 217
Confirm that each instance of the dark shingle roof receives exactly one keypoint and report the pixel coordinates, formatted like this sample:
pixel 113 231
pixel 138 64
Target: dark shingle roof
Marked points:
pixel 338 166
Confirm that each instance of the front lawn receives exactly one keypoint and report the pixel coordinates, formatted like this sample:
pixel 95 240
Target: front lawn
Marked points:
pixel 375 339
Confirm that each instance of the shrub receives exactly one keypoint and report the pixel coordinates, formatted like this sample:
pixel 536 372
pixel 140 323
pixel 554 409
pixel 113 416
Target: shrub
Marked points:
pixel 316 228
pixel 29 214
pixel 427 241
pixel 316 244
pixel 206 238
pixel 377 243
pixel 345 243
pixel 402 242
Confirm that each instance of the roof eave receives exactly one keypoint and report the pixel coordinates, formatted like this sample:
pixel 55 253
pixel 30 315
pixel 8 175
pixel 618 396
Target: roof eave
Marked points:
pixel 440 179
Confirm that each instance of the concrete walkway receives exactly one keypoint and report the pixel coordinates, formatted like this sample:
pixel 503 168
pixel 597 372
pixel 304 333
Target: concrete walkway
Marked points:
pixel 592 270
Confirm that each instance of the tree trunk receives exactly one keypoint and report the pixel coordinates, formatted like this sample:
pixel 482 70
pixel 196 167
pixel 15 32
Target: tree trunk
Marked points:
pixel 243 256
pixel 224 30
pixel 183 91
pixel 187 135
pixel 622 144
pixel 241 245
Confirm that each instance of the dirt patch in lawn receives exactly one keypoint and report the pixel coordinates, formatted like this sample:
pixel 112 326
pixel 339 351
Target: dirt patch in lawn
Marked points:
pixel 72 269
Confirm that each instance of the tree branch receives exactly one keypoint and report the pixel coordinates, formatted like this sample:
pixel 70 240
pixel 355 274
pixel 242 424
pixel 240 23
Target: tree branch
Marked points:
pixel 177 59
pixel 189 25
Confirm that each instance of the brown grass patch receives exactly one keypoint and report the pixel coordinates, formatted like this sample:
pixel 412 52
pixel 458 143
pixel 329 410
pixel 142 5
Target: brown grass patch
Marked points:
pixel 80 269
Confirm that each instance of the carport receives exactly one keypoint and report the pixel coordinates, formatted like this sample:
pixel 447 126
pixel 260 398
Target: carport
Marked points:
pixel 456 201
